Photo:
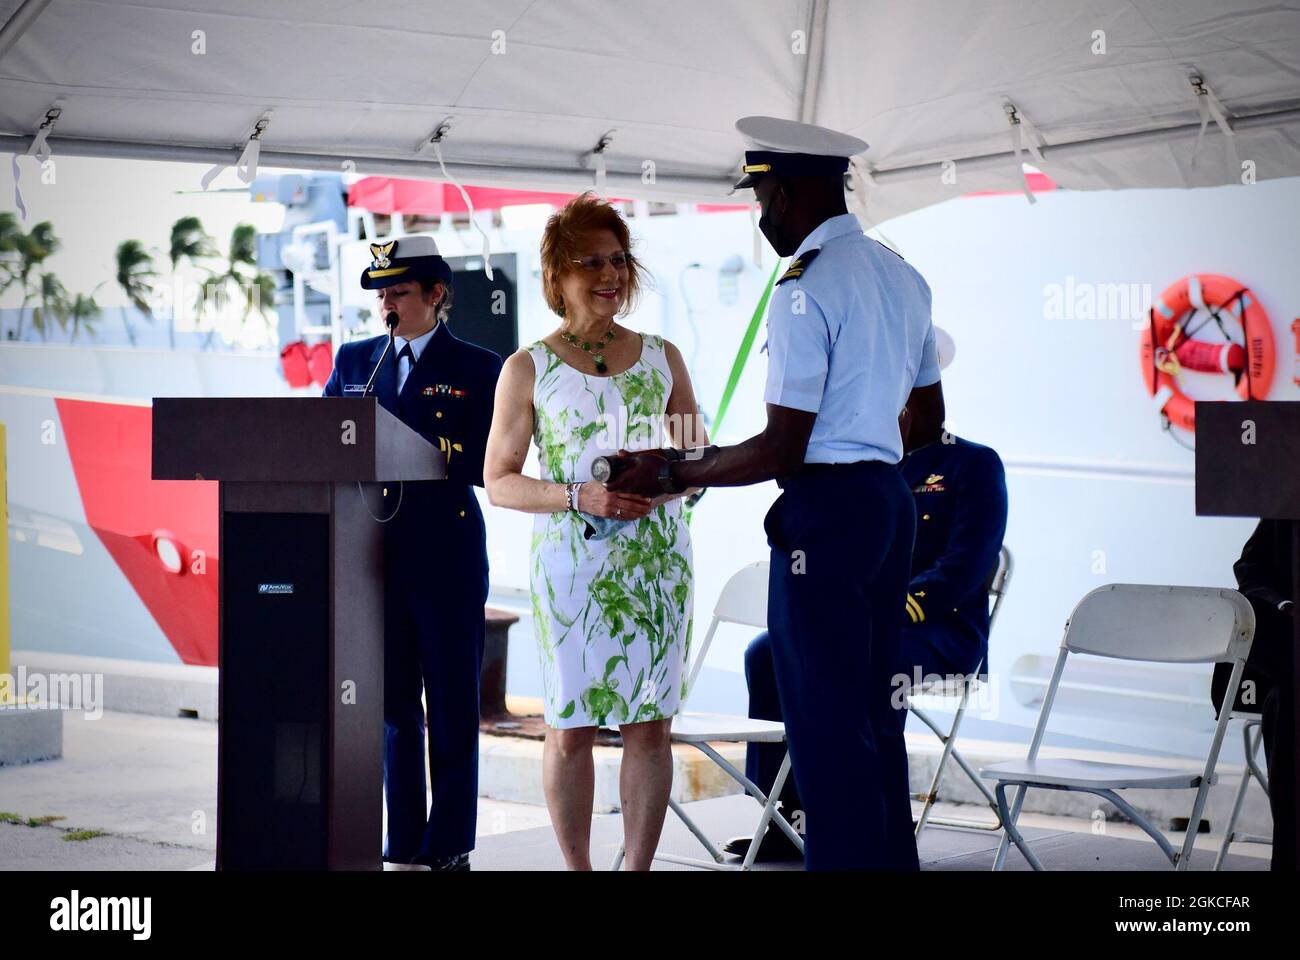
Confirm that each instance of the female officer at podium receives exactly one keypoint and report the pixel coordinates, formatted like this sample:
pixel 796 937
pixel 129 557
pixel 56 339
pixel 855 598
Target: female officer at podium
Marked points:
pixel 435 557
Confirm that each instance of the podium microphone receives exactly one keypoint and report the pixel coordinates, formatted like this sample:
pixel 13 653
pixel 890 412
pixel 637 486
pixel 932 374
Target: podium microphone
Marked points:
pixel 391 322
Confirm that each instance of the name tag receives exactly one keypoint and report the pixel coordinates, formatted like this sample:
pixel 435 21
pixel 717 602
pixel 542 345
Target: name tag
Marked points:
pixel 354 388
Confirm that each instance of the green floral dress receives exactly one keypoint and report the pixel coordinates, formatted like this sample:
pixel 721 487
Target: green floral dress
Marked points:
pixel 612 617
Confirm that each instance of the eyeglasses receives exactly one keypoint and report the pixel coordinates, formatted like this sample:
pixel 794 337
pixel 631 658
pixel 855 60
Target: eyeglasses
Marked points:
pixel 595 262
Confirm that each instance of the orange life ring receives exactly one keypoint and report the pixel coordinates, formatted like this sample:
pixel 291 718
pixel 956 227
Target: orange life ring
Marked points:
pixel 1166 348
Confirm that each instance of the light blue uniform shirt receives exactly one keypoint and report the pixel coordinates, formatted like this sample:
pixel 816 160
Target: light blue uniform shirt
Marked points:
pixel 848 340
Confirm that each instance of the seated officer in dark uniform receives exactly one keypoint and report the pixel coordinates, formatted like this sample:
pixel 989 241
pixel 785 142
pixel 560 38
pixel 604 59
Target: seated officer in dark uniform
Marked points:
pixel 960 493
pixel 1267 687
pixel 435 557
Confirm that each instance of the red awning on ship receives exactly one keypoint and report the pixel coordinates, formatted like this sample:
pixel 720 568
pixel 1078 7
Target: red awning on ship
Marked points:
pixel 1037 182
pixel 396 195
pixel 390 195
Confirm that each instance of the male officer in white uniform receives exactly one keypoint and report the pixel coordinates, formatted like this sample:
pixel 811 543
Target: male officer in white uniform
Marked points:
pixel 850 343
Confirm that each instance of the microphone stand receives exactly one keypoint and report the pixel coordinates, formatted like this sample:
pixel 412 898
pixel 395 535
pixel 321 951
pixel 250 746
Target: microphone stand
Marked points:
pixel 391 322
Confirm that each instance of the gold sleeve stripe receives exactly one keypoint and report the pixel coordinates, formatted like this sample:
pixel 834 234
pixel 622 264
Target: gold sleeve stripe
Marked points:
pixel 915 608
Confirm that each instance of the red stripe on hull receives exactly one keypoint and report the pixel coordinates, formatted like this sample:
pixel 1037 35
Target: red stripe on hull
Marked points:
pixel 110 446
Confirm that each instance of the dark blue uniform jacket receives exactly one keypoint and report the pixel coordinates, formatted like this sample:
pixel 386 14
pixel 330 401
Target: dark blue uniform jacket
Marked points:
pixel 447 399
pixel 960 494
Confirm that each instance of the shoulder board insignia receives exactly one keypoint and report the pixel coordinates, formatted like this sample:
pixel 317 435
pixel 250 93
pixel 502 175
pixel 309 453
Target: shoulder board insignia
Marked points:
pixel 796 269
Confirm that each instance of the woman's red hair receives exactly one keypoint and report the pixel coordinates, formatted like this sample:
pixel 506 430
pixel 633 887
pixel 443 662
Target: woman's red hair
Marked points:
pixel 568 237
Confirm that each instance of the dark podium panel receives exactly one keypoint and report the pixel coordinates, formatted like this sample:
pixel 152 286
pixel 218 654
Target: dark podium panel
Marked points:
pixel 1248 465
pixel 301 615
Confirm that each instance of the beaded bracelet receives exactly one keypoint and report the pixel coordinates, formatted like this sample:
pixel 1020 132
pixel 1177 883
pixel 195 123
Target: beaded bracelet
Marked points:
pixel 571 495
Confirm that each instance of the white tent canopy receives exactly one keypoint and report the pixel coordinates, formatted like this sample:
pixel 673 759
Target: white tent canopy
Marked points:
pixel 531 88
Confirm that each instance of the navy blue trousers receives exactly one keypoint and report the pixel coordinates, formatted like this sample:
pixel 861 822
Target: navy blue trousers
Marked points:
pixel 433 645
pixel 841 539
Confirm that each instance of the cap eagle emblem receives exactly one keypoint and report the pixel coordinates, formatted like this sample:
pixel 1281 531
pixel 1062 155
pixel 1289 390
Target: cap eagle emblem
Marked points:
pixel 380 253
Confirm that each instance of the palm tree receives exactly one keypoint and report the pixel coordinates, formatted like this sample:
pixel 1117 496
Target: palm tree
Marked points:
pixel 188 242
pixel 53 306
pixel 82 312
pixel 10 233
pixel 258 285
pixel 33 249
pixel 243 246
pixel 134 273
pixel 259 295
pixel 255 287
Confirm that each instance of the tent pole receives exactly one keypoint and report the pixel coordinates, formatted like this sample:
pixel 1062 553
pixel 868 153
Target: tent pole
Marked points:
pixel 17 25
pixel 812 74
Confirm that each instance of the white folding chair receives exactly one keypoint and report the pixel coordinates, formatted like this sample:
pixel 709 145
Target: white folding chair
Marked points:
pixel 1252 735
pixel 743 601
pixel 997 589
pixel 1133 622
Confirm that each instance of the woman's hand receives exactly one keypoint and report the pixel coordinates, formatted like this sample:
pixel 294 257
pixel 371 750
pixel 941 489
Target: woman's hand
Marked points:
pixel 594 499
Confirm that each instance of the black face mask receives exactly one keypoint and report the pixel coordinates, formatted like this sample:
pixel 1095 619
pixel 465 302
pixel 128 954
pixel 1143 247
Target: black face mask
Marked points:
pixel 772 231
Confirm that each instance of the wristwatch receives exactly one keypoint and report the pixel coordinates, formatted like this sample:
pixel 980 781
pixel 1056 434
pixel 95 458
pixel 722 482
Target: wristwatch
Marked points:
pixel 671 455
pixel 666 482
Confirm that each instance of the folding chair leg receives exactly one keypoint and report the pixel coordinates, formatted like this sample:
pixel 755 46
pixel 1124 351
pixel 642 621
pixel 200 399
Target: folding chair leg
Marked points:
pixel 714 852
pixel 949 741
pixel 976 779
pixel 950 751
pixel 1252 754
pixel 770 815
pixel 1009 831
pixel 1231 826
pixel 972 824
pixel 1183 859
pixel 676 808
pixel 752 789
pixel 1000 857
pixel 1124 807
pixel 1252 770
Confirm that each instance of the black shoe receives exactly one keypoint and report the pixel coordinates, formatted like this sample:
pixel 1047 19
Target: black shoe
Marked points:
pixel 775 848
pixel 456 864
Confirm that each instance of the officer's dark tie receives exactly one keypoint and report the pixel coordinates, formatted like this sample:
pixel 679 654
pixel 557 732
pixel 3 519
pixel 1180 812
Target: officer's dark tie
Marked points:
pixel 408 354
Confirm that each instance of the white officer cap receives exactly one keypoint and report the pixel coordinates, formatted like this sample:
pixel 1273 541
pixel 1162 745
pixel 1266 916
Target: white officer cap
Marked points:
pixel 780 146
pixel 946 346
pixel 413 257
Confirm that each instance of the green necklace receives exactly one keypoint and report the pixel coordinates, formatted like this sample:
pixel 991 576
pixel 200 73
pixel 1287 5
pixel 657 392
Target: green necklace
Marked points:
pixel 589 347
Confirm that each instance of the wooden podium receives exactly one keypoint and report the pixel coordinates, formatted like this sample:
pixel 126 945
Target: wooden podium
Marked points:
pixel 301 615
pixel 1248 465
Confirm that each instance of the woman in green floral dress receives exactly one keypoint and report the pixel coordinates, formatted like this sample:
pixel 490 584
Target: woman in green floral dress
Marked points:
pixel 611 573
